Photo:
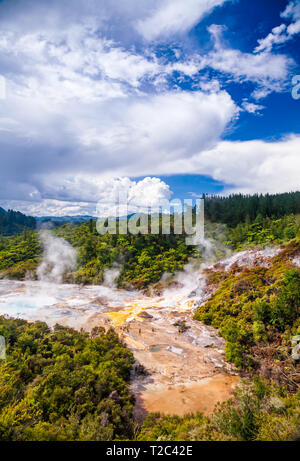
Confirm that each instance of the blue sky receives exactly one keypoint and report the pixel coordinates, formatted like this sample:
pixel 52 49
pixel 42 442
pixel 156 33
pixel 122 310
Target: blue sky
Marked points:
pixel 152 99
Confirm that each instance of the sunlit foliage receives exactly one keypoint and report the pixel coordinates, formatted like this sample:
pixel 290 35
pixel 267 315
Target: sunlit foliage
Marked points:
pixel 63 385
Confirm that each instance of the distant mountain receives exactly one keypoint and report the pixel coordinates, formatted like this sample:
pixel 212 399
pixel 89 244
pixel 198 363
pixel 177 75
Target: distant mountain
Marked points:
pixel 60 220
pixel 14 222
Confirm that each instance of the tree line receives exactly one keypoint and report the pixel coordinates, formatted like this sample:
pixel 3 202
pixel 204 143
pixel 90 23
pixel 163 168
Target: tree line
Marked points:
pixel 14 222
pixel 239 208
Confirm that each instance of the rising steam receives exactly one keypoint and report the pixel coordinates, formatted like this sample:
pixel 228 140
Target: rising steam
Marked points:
pixel 110 276
pixel 58 258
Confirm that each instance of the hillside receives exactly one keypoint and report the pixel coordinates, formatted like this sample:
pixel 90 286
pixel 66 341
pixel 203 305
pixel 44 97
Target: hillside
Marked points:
pixel 14 222
pixel 238 208
pixel 233 222
pixel 63 385
pixel 256 308
pixel 141 260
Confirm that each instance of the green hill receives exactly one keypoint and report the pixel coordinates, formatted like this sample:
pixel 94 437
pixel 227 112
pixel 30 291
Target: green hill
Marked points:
pixel 14 222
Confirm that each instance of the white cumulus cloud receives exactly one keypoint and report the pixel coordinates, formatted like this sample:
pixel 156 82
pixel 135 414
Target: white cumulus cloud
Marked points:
pixel 283 33
pixel 269 71
pixel 173 16
pixel 250 166
pixel 93 195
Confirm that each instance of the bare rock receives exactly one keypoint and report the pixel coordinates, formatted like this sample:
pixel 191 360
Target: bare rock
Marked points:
pixel 145 315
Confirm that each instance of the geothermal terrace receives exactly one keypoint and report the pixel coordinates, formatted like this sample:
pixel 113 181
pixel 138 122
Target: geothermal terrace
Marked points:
pixel 175 372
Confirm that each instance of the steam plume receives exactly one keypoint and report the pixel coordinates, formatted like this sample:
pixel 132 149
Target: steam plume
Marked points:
pixel 59 257
pixel 110 276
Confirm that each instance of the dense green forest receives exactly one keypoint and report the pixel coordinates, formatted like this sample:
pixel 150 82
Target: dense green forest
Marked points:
pixel 20 255
pixel 238 208
pixel 263 231
pixel 14 222
pixel 142 259
pixel 64 385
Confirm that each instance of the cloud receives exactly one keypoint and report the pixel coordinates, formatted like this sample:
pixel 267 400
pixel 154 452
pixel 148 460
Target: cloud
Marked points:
pixel 79 61
pixel 157 128
pixel 60 123
pixel 282 33
pixel 124 196
pixel 50 207
pixel 251 107
pixel 249 166
pixel 242 166
pixel 95 189
pixel 76 63
pixel 268 70
pixel 174 16
pixel 90 98
pixel 90 50
pixel 76 108
pixel 92 195
pixel 122 20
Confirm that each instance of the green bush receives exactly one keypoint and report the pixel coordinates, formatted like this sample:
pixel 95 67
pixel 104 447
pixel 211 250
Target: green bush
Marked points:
pixel 64 385
pixel 253 305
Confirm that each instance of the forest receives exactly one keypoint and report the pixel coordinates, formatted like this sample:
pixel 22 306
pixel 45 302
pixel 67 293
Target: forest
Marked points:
pixel 14 222
pixel 62 384
pixel 231 210
pixel 141 259
pixel 239 208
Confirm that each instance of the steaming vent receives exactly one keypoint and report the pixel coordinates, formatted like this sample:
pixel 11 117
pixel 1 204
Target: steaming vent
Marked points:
pixel 58 258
